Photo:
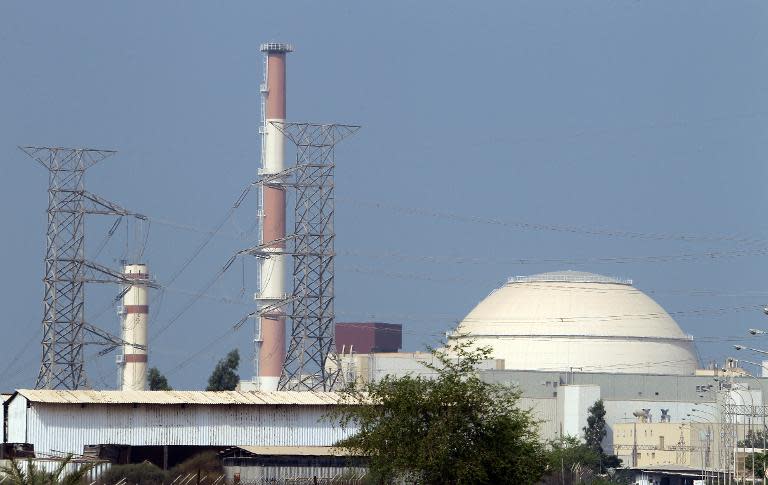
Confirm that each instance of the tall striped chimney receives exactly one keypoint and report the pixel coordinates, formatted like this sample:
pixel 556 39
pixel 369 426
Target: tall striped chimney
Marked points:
pixel 270 339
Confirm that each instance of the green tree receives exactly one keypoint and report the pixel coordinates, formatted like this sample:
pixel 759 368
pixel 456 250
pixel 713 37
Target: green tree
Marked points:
pixel 595 430
pixel 594 433
pixel 453 429
pixel 760 461
pixel 27 473
pixel 224 376
pixel 157 381
pixel 754 439
pixel 570 461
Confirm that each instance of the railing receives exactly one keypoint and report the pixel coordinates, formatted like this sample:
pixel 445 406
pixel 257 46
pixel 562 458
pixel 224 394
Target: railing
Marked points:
pixel 567 278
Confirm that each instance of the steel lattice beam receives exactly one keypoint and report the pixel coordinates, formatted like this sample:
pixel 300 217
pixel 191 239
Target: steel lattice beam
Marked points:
pixel 66 269
pixel 311 245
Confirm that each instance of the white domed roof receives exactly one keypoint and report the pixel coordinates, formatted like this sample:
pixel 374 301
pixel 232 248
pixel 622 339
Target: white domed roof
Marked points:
pixel 569 319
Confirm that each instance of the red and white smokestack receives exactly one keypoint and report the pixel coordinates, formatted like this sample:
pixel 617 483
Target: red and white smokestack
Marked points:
pixel 270 340
pixel 135 314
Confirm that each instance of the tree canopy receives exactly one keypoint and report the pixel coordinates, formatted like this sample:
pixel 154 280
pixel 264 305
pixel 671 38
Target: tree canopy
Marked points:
pixel 157 381
pixel 570 461
pixel 595 431
pixel 759 459
pixel 453 429
pixel 224 376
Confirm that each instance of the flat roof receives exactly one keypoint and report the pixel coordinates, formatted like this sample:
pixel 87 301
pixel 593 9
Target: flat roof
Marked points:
pixel 290 398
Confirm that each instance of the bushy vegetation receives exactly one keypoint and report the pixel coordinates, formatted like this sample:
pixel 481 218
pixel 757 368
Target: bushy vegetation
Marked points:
pixel 157 381
pixel 224 376
pixel 453 429
pixel 206 464
pixel 135 474
pixel 25 472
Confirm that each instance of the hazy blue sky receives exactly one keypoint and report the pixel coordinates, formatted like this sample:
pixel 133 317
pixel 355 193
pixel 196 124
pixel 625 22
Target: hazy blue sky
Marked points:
pixel 606 117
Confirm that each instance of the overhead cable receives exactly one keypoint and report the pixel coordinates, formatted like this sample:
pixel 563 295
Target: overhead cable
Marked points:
pixel 422 211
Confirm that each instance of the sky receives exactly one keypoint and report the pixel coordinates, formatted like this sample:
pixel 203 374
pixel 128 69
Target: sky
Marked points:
pixel 503 138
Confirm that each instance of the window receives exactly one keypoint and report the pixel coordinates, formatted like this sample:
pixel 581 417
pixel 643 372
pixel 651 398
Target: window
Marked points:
pixel 661 442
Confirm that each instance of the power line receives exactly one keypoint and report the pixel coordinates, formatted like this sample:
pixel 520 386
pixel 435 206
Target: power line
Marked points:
pixel 195 297
pixel 210 235
pixel 522 225
pixel 14 361
pixel 194 255
pixel 684 257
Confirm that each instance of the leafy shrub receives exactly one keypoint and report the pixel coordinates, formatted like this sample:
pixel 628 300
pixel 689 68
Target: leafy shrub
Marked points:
pixel 136 474
pixel 207 463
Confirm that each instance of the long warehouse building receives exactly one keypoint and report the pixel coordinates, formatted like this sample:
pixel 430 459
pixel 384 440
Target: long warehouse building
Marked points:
pixel 71 421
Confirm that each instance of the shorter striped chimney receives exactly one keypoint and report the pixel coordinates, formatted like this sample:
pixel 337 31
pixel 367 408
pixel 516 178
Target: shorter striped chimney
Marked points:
pixel 134 328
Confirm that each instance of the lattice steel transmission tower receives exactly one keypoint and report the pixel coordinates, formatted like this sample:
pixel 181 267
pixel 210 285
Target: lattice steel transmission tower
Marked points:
pixel 312 331
pixel 66 268
pixel 310 363
pixel 728 429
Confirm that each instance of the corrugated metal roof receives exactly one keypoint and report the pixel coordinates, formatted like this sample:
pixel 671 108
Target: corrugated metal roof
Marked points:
pixel 295 398
pixel 297 450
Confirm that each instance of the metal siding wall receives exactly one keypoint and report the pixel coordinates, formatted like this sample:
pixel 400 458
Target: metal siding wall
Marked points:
pixel 268 473
pixel 17 419
pixel 67 428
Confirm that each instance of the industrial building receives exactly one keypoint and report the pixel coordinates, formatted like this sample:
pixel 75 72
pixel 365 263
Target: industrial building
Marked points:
pixel 264 464
pixel 368 337
pixel 565 339
pixel 568 339
pixel 168 424
pixel 611 341
pixel 572 320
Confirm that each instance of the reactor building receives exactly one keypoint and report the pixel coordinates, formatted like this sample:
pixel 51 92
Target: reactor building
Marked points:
pixel 573 320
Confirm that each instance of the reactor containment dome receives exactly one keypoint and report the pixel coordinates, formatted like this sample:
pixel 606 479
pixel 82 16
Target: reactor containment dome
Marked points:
pixel 574 321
